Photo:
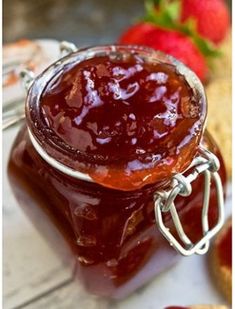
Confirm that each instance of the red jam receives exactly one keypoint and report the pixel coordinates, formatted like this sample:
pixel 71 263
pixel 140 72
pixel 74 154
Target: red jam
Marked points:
pixel 224 248
pixel 133 122
pixel 131 125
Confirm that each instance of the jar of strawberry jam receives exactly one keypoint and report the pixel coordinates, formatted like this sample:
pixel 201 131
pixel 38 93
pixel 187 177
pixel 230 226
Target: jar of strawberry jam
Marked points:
pixel 114 160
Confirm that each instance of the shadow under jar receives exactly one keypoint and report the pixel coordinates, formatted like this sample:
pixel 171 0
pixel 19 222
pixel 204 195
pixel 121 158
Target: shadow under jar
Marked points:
pixel 108 128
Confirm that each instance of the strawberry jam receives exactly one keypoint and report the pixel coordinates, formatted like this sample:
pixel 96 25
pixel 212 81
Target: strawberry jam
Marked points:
pixel 130 118
pixel 130 122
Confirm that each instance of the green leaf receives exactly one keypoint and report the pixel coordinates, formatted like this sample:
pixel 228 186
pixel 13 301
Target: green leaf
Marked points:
pixel 173 10
pixel 169 8
pixel 162 16
pixel 150 6
pixel 206 47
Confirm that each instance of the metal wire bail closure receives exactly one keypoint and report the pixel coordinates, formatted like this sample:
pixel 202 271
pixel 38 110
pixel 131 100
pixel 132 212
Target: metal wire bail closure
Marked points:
pixel 205 163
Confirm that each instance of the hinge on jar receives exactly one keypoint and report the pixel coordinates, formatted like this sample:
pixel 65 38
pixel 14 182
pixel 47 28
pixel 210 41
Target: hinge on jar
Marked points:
pixel 205 163
pixel 67 48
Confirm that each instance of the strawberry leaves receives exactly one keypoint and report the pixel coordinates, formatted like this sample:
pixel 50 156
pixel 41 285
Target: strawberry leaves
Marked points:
pixel 166 14
pixel 206 47
pixel 161 14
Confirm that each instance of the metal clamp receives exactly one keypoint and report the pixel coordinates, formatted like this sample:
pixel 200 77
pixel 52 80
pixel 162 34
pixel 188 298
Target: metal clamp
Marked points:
pixel 205 163
pixel 27 77
pixel 67 48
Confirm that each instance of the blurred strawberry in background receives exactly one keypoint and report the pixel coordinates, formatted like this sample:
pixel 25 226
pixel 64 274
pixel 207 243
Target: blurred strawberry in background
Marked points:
pixel 185 29
pixel 211 17
pixel 169 41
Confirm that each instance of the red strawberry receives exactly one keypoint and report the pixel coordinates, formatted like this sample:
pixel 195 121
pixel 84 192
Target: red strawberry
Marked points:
pixel 212 17
pixel 137 33
pixel 168 41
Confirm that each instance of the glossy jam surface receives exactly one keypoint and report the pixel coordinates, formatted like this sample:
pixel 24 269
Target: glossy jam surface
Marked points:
pixel 133 122
pixel 225 248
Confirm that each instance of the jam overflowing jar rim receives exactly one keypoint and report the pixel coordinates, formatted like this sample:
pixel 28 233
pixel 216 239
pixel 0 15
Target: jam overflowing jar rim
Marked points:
pixel 204 163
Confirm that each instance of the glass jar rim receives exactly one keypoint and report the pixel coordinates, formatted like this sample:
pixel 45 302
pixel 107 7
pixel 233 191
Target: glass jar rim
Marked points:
pixel 45 137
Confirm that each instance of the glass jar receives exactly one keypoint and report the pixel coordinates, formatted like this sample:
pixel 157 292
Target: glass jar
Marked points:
pixel 116 228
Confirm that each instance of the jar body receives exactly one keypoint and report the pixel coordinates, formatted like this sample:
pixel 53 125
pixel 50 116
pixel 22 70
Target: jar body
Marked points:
pixel 111 235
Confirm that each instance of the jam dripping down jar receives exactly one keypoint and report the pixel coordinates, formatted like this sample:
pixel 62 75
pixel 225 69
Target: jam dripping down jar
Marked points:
pixel 113 165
